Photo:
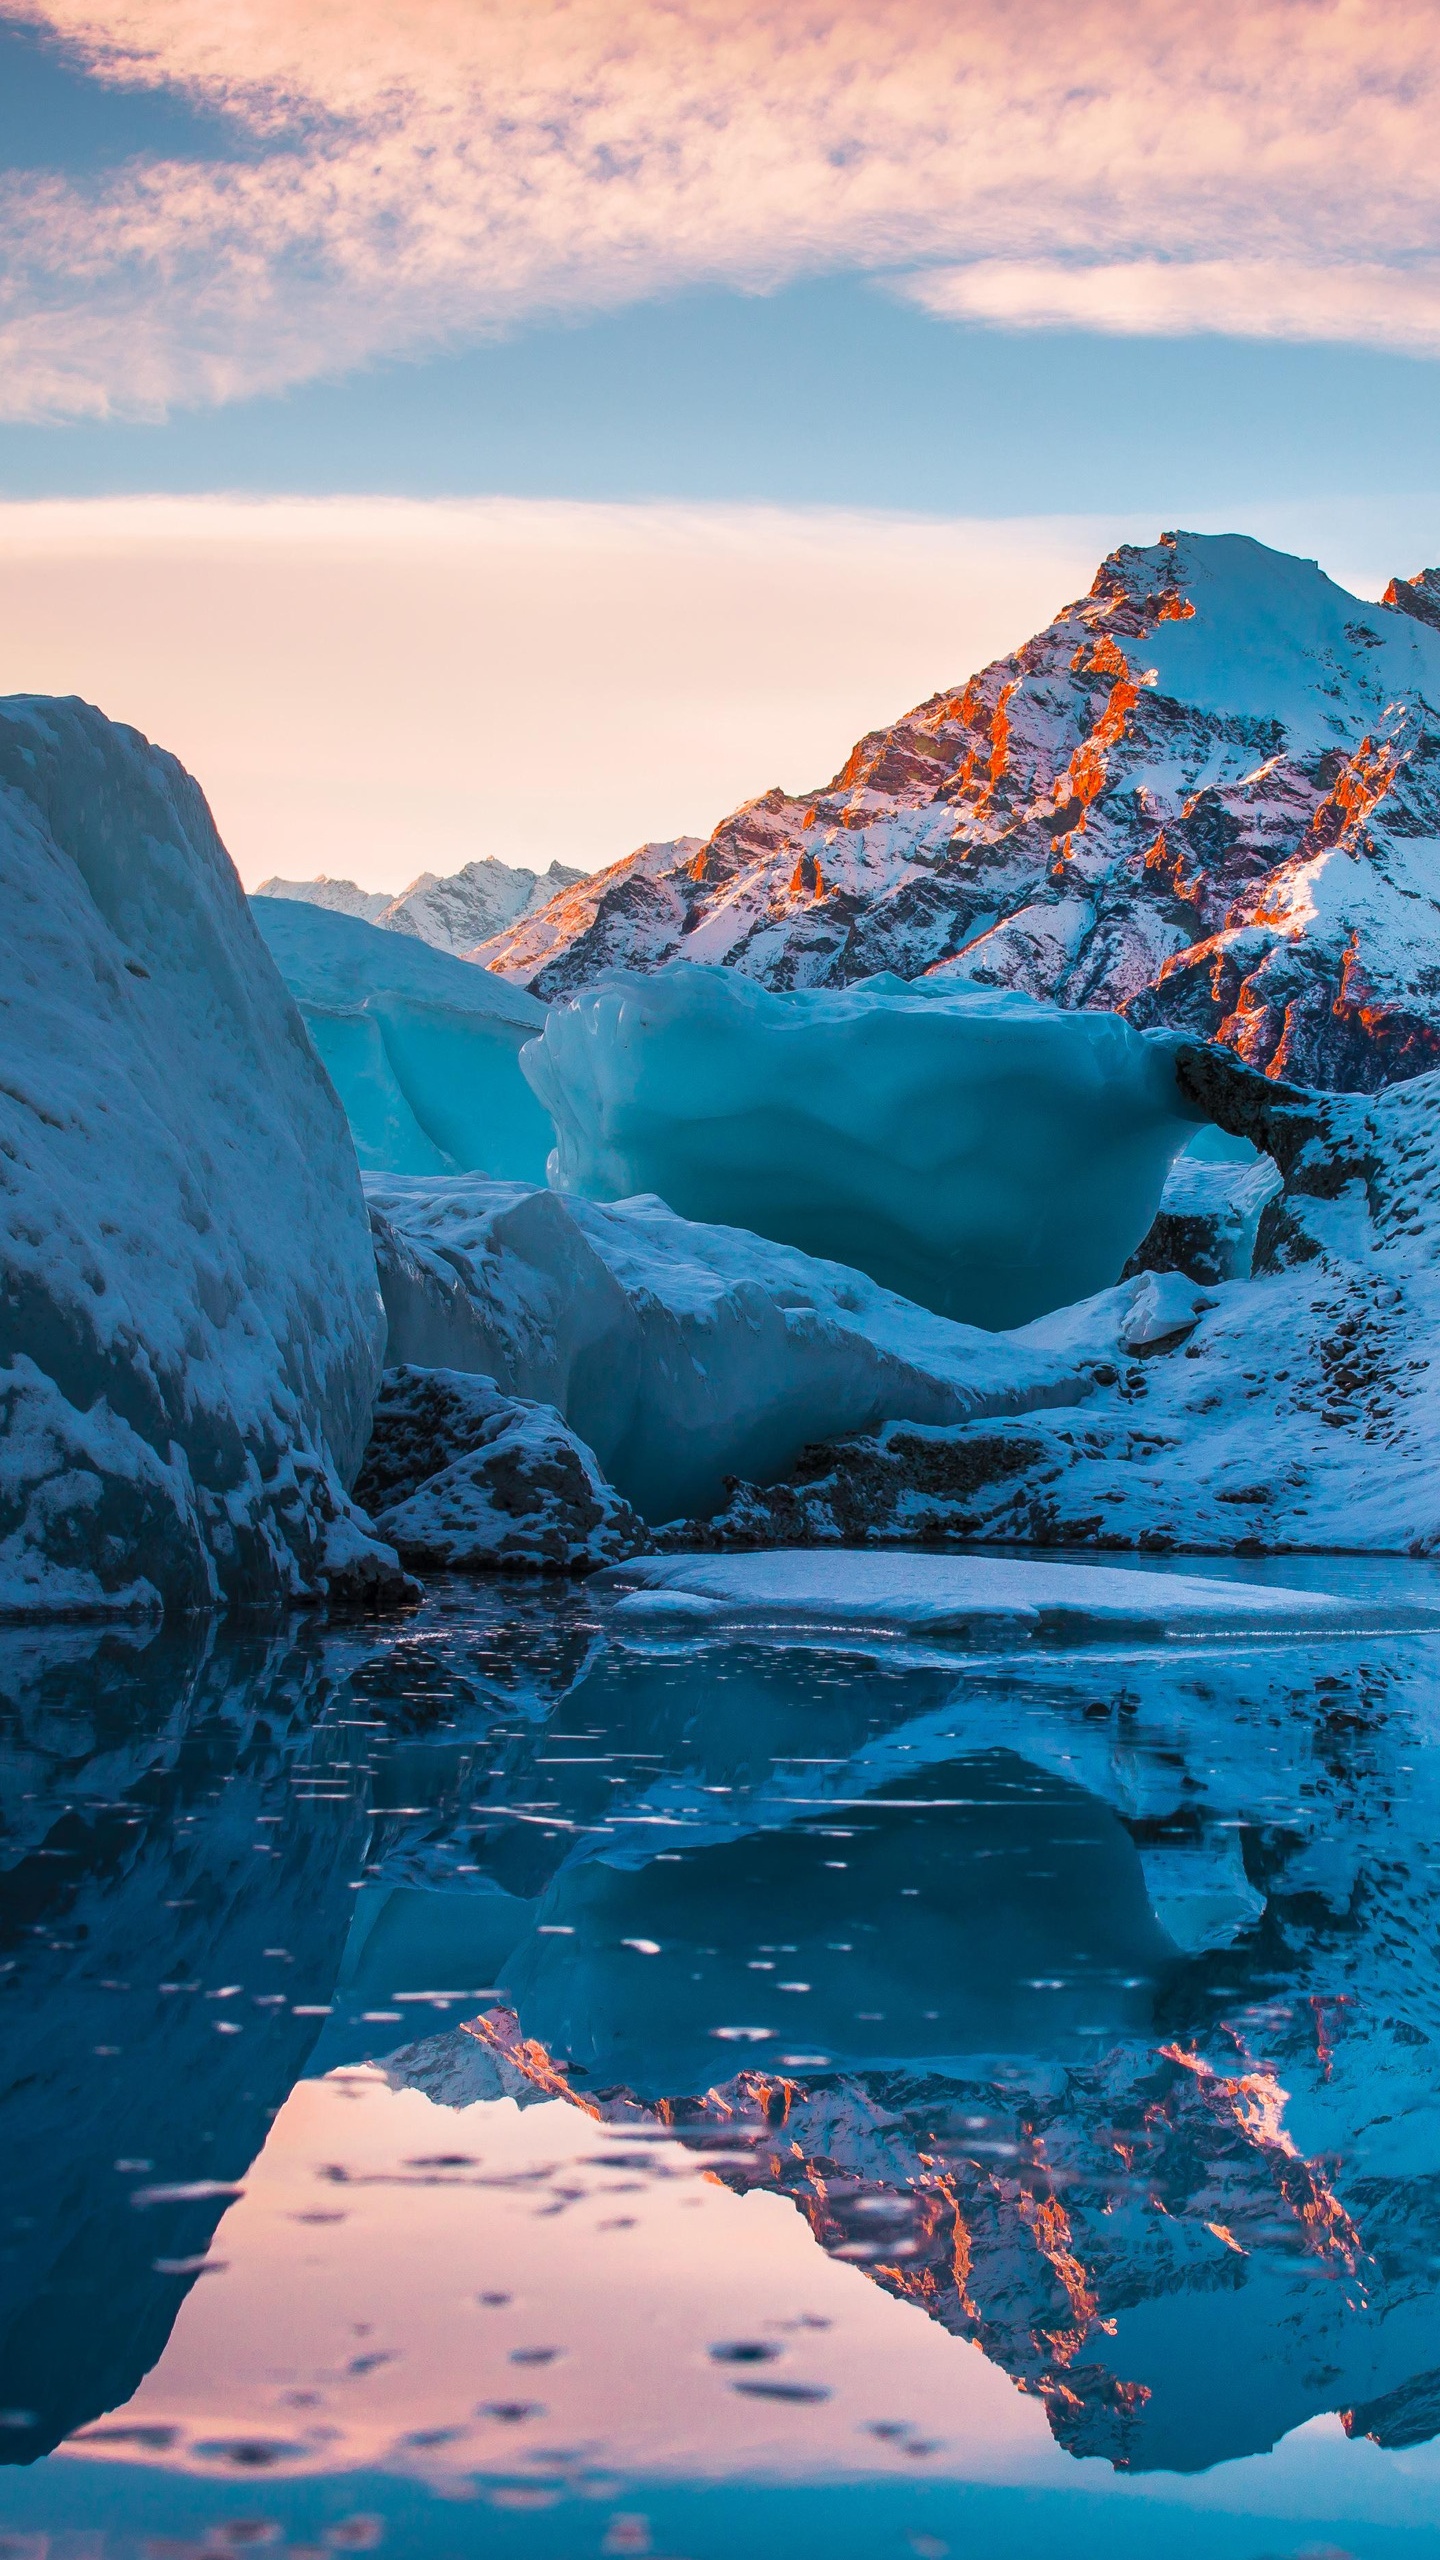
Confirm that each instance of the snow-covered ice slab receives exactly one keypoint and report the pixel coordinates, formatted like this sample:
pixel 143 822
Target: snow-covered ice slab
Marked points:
pixel 422 1049
pixel 681 1354
pixel 979 1597
pixel 981 1153
pixel 190 1329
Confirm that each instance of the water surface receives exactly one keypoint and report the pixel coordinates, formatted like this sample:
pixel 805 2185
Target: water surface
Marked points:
pixel 479 2082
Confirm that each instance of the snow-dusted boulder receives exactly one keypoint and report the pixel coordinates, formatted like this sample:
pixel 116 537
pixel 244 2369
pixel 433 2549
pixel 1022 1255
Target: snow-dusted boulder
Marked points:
pixel 190 1331
pixel 986 1155
pixel 679 1353
pixel 458 1475
pixel 420 1047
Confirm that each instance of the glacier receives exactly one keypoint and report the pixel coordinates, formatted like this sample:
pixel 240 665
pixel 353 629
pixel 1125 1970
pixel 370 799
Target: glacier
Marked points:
pixel 421 1049
pixel 681 1353
pixel 190 1328
pixel 985 1155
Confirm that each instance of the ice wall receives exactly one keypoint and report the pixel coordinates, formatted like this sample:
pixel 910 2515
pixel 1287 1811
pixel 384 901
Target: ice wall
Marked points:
pixel 981 1153
pixel 190 1330
pixel 421 1047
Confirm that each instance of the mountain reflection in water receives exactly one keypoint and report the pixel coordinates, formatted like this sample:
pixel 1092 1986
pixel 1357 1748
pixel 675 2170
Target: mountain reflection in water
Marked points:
pixel 1083 2003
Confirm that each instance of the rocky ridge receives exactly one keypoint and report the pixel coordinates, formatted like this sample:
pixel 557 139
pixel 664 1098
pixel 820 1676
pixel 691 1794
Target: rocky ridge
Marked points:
pixel 1207 795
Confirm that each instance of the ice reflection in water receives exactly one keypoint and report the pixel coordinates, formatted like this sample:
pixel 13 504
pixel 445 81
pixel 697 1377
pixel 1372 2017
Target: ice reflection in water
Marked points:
pixel 1080 2006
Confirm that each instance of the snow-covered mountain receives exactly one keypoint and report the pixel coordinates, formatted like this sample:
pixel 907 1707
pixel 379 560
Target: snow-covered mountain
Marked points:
pixel 453 912
pixel 338 897
pixel 1208 795
pixel 471 905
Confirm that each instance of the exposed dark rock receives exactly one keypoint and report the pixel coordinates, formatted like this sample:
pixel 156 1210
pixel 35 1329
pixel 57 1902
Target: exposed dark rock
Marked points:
pixel 464 1477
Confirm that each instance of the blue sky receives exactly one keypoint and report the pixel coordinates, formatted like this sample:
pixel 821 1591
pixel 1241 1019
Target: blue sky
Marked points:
pixel 823 393
pixel 610 257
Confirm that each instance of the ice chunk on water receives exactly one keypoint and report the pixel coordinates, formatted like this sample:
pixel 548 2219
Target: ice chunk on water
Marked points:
pixel 190 1332
pixel 421 1048
pixel 957 1597
pixel 982 1153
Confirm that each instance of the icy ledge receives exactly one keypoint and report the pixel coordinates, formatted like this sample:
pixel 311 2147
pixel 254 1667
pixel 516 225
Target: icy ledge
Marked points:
pixel 975 1596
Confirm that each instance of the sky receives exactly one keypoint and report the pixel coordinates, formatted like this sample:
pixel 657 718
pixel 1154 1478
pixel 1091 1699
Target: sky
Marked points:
pixel 522 427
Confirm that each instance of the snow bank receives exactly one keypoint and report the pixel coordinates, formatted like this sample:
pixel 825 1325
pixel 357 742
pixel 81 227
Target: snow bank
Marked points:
pixel 963 1596
pixel 190 1332
pixel 983 1154
pixel 680 1353
pixel 420 1047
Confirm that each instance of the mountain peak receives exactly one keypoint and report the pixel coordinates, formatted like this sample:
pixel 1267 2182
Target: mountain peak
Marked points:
pixel 1207 794
pixel 1418 596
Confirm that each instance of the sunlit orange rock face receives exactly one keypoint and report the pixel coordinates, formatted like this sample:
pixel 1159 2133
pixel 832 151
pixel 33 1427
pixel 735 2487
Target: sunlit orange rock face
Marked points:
pixel 1208 795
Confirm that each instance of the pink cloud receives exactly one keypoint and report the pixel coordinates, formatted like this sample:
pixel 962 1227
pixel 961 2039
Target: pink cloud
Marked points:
pixel 444 170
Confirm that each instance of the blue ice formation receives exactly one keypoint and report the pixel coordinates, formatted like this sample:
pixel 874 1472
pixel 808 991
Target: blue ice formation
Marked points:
pixel 190 1331
pixel 981 1153
pixel 420 1047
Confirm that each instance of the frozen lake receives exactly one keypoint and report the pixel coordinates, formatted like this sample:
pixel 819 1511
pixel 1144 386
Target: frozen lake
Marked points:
pixel 536 2077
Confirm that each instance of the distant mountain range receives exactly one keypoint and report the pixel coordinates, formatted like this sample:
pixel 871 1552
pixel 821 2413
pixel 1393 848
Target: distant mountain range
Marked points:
pixel 1207 795
pixel 452 913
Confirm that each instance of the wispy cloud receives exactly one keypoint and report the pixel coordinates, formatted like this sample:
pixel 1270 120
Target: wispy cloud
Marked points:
pixel 1367 302
pixel 445 169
